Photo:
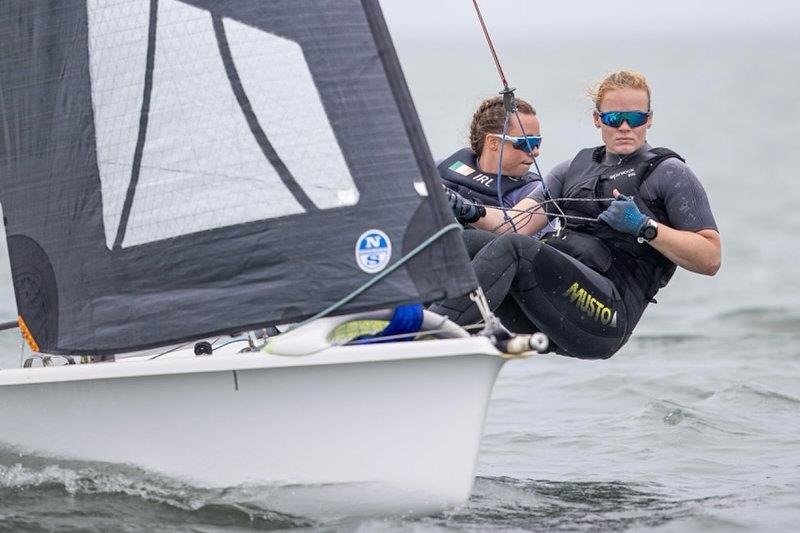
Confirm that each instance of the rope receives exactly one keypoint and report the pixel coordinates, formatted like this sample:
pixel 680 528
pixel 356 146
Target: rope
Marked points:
pixel 530 212
pixel 536 164
pixel 226 343
pixel 500 172
pixel 510 107
pixel 333 307
pixel 174 348
pixel 491 46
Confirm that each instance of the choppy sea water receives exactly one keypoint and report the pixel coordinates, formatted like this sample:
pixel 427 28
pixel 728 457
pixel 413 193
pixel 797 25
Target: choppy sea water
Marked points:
pixel 693 426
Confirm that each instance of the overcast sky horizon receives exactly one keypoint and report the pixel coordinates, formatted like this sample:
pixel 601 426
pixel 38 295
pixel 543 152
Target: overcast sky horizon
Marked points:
pixel 617 19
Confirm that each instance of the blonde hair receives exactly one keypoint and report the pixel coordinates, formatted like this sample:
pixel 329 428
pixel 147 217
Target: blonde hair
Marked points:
pixel 489 118
pixel 618 80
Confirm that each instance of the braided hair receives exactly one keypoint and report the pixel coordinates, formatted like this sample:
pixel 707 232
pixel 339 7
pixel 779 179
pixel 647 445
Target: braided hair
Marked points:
pixel 489 118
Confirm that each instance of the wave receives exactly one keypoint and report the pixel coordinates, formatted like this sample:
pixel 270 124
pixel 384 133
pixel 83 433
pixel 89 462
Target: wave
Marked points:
pixel 667 339
pixel 761 319
pixel 702 421
pixel 38 495
pixel 541 505
pixel 752 394
pixel 34 490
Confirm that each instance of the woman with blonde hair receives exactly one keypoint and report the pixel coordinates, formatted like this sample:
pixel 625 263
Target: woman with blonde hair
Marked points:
pixel 632 215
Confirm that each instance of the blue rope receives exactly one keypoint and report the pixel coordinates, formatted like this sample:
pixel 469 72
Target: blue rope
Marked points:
pixel 406 319
pixel 530 151
pixel 232 341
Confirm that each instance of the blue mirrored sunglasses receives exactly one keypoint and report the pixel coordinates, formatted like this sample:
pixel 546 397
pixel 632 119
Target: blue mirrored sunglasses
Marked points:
pixel 616 118
pixel 525 143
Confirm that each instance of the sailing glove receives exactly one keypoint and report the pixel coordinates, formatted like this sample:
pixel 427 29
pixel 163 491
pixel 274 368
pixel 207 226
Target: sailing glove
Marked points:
pixel 623 215
pixel 466 212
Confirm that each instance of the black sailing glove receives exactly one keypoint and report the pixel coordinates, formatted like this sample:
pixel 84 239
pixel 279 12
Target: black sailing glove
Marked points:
pixel 465 211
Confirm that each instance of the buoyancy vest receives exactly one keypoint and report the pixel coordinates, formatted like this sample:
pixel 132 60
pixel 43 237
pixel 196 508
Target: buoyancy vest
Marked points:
pixel 460 172
pixel 629 264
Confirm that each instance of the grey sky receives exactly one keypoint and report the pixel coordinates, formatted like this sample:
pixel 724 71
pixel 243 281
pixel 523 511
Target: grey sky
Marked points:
pixel 620 19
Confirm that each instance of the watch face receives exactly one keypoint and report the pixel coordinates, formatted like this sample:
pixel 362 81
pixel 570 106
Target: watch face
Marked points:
pixel 649 232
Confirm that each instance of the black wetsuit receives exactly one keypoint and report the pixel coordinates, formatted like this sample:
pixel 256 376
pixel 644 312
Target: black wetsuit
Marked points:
pixel 587 291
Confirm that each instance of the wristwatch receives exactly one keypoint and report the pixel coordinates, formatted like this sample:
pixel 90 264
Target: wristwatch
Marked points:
pixel 648 231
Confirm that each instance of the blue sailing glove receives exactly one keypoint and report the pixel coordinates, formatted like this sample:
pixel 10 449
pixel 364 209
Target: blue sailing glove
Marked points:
pixel 465 211
pixel 623 215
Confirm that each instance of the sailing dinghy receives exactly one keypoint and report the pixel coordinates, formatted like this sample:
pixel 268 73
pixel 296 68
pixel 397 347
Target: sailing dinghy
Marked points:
pixel 177 172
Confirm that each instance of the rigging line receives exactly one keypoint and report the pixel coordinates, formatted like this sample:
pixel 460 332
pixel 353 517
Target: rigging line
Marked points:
pixel 144 116
pixel 519 216
pixel 508 95
pixel 226 343
pixel 510 106
pixel 500 169
pixel 180 346
pixel 491 46
pixel 174 348
pixel 545 191
pixel 536 163
pixel 530 212
pixel 553 201
pixel 336 305
pixel 508 103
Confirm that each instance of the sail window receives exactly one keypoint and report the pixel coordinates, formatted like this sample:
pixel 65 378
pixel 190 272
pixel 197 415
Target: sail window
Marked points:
pixel 230 124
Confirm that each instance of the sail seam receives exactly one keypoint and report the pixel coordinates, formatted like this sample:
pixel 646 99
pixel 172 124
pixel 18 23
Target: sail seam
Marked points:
pixel 252 120
pixel 143 121
pixel 350 297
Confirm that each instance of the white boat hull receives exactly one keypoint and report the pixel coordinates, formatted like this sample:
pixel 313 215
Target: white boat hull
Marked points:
pixel 396 426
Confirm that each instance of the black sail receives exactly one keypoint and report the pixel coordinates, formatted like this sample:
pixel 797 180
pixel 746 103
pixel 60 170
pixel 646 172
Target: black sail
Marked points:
pixel 172 169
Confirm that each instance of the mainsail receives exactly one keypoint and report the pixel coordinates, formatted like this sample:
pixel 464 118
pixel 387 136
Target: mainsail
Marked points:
pixel 172 169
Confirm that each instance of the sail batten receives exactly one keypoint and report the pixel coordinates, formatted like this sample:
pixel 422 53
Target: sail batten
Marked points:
pixel 172 169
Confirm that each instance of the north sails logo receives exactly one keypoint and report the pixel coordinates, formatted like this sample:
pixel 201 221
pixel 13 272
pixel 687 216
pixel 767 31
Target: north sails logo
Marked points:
pixel 628 172
pixel 591 306
pixel 373 251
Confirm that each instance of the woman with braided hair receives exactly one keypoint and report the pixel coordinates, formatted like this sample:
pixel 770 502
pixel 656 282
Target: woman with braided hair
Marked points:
pixel 471 174
pixel 633 214
pixel 470 179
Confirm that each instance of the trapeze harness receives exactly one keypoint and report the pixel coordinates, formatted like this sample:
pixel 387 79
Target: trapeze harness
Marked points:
pixel 460 173
pixel 636 269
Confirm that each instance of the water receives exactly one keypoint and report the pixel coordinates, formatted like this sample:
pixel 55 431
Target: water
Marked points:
pixel 693 426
